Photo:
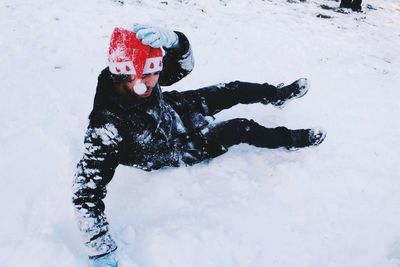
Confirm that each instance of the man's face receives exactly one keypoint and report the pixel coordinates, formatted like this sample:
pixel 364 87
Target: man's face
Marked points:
pixel 149 80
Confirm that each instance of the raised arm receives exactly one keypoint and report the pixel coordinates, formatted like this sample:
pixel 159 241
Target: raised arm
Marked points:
pixel 94 171
pixel 178 60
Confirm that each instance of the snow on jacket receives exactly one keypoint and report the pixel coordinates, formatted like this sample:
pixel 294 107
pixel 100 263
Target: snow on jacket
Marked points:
pixel 161 130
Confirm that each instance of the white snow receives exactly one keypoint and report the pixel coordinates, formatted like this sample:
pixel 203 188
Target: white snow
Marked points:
pixel 109 134
pixel 336 205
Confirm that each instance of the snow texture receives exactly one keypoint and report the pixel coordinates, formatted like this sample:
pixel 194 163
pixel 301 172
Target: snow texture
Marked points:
pixel 335 205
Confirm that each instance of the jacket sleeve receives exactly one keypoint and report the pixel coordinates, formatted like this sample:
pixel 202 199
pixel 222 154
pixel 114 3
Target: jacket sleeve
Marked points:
pixel 94 171
pixel 177 62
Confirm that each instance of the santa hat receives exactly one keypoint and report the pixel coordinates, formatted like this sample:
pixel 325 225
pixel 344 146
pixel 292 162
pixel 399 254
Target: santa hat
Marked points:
pixel 128 55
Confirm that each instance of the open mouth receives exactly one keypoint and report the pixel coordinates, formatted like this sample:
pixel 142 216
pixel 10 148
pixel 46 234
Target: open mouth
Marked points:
pixel 147 93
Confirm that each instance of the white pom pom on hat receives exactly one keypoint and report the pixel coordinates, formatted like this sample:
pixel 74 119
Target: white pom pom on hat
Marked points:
pixel 139 87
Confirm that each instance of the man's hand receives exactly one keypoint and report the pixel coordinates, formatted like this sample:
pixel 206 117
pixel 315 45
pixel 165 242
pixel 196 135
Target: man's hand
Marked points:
pixel 155 36
pixel 109 260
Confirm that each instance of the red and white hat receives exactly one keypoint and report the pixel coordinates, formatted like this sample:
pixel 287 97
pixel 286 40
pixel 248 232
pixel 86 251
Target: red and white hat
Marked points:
pixel 128 55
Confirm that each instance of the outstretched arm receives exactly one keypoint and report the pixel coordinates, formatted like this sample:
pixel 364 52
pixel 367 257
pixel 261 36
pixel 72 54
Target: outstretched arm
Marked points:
pixel 94 171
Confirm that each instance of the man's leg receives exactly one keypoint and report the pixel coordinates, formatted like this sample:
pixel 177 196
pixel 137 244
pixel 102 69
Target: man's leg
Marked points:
pixel 224 96
pixel 236 131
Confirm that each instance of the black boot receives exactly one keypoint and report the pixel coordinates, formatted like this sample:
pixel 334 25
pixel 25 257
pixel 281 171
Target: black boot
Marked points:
pixel 345 4
pixel 306 137
pixel 286 93
pixel 356 5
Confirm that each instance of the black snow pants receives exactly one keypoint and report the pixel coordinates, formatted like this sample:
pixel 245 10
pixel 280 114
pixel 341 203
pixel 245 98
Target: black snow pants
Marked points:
pixel 240 130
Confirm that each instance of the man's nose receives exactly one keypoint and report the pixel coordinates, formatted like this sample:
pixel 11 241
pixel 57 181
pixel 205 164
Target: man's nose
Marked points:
pixel 149 81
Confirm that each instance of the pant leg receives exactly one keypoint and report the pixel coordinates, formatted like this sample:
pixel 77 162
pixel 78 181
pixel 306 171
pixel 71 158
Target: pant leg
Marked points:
pixel 237 131
pixel 224 96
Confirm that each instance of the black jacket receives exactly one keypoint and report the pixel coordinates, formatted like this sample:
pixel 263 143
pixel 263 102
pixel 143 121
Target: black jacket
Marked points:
pixel 162 130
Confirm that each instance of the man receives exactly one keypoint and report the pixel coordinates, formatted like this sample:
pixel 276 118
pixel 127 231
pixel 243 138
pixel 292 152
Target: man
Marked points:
pixel 134 123
pixel 355 5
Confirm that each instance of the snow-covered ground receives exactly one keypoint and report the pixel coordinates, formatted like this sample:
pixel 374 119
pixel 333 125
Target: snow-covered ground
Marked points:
pixel 334 205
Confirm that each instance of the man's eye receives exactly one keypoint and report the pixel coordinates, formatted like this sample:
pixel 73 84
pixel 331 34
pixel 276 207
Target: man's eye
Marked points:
pixel 148 74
